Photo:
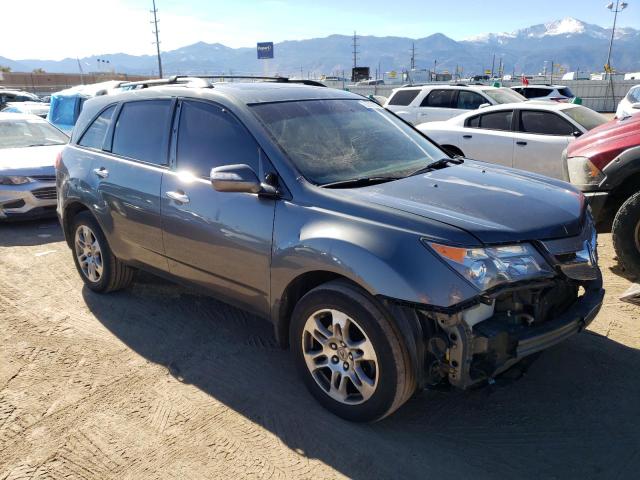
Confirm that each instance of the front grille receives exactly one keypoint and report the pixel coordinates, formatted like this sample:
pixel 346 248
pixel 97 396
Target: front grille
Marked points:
pixel 44 178
pixel 47 193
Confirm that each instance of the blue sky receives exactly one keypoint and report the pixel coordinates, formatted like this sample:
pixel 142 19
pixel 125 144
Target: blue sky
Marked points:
pixel 85 27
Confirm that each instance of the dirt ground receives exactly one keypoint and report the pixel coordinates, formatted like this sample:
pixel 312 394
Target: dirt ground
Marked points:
pixel 157 382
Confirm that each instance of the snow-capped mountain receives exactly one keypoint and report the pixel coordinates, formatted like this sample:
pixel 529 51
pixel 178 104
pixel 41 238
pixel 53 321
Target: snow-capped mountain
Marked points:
pixel 573 44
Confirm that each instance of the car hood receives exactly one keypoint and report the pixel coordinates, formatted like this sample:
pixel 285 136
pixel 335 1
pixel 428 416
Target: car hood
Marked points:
pixel 28 160
pixel 494 204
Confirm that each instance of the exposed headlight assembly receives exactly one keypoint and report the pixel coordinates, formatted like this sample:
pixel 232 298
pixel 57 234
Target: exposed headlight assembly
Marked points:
pixel 488 267
pixel 583 172
pixel 13 180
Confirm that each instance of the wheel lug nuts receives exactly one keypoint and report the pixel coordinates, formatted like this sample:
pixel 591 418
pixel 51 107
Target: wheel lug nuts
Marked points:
pixel 351 356
pixel 334 359
pixel 333 346
pixel 342 344
pixel 345 365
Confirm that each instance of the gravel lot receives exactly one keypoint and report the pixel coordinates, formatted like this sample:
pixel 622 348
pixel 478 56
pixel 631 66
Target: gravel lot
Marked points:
pixel 157 382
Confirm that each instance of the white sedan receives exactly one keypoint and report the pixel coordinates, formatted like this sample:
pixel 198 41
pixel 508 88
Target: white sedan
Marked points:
pixel 528 135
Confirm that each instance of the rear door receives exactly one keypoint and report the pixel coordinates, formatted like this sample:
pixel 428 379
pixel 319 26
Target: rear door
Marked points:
pixel 439 104
pixel 400 103
pixel 541 138
pixel 129 179
pixel 220 240
pixel 489 137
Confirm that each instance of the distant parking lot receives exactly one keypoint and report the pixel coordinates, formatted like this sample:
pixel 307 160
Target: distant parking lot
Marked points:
pixel 158 382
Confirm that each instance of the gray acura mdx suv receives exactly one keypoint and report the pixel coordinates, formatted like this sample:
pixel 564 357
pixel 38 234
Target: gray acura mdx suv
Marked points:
pixel 384 264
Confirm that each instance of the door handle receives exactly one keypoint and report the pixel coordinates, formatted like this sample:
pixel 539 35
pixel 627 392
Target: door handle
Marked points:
pixel 180 197
pixel 101 172
pixel 467 136
pixel 521 143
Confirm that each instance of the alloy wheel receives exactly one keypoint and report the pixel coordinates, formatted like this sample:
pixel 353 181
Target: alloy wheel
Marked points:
pixel 88 253
pixel 340 356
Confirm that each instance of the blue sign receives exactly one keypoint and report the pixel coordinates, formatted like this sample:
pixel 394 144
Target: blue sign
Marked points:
pixel 265 50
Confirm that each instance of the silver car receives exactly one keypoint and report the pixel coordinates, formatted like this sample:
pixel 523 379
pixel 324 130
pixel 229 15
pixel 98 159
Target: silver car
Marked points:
pixel 29 146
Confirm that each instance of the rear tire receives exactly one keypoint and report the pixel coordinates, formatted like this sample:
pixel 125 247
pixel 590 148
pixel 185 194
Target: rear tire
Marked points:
pixel 98 267
pixel 626 234
pixel 372 389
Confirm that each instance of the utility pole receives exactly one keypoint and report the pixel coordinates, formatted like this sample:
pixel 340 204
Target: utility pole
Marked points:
pixel 493 64
pixel 413 56
pixel 615 8
pixel 355 49
pixel 156 32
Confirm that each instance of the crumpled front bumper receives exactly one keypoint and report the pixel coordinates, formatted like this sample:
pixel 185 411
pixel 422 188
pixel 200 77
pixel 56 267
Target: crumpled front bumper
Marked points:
pixel 481 348
pixel 30 200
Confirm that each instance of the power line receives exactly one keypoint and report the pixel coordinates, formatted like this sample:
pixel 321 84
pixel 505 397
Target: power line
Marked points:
pixel 156 32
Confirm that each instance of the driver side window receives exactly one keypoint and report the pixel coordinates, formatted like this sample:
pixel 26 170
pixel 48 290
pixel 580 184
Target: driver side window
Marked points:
pixel 209 137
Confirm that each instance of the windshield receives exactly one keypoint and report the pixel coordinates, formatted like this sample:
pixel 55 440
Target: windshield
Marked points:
pixel 585 116
pixel 336 140
pixel 29 133
pixel 503 95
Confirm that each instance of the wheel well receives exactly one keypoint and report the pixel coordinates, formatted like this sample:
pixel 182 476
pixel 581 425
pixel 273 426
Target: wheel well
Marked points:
pixel 453 150
pixel 618 196
pixel 70 212
pixel 297 289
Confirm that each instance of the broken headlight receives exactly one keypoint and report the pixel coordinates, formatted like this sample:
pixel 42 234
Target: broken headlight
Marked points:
pixel 491 266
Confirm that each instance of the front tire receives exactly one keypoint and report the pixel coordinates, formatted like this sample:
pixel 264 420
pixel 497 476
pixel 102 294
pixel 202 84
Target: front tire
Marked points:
pixel 98 267
pixel 350 354
pixel 626 234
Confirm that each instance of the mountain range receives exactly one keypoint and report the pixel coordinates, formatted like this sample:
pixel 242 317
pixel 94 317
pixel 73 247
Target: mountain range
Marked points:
pixel 570 43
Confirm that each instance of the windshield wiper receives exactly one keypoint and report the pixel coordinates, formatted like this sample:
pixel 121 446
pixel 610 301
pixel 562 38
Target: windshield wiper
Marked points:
pixel 359 182
pixel 443 162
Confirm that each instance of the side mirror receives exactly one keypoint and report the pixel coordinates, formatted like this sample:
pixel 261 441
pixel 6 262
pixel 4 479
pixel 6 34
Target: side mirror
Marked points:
pixel 235 178
pixel 484 105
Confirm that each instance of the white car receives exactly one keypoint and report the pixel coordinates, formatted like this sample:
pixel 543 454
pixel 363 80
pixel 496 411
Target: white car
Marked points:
pixel 40 109
pixel 630 104
pixel 432 103
pixel 28 149
pixel 558 93
pixel 530 135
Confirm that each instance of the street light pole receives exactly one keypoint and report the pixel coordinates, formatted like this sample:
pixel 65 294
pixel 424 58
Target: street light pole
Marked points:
pixel 615 8
pixel 157 42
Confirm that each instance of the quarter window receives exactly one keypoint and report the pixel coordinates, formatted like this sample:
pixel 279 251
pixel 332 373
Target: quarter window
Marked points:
pixel 439 99
pixel 94 136
pixel 142 129
pixel 544 123
pixel 210 137
pixel 403 97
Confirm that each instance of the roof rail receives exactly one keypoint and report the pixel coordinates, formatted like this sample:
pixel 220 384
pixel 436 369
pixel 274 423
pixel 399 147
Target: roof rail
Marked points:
pixel 177 79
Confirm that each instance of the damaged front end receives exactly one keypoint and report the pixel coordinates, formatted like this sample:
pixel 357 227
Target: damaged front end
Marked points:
pixel 472 343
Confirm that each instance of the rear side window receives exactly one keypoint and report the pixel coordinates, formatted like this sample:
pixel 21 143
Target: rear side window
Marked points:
pixel 94 136
pixel 492 121
pixel 565 92
pixel 536 92
pixel 142 129
pixel 634 95
pixel 544 123
pixel 469 100
pixel 210 137
pixel 403 97
pixel 440 99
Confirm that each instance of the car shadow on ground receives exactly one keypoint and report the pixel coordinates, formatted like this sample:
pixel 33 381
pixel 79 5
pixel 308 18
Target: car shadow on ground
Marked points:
pixel 574 415
pixel 30 232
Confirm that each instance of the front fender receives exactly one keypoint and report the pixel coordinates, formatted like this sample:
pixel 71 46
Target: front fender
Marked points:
pixel 384 260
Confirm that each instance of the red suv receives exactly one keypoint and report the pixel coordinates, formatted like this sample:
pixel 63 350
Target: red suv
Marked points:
pixel 605 164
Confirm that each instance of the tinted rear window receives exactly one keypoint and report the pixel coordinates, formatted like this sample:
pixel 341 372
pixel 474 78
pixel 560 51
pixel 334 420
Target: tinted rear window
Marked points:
pixel 566 92
pixel 142 130
pixel 94 136
pixel 439 99
pixel 403 97
pixel 492 121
